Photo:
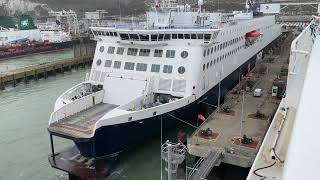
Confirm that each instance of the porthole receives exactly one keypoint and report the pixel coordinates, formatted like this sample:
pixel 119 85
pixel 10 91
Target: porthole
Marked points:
pixel 101 49
pixel 99 62
pixel 184 54
pixel 181 70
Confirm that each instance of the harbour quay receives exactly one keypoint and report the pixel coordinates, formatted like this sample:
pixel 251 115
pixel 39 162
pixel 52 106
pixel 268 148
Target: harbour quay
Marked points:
pixel 42 70
pixel 83 50
pixel 236 128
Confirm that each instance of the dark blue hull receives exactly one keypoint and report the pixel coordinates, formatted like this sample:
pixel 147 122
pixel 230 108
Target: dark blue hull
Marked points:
pixel 112 139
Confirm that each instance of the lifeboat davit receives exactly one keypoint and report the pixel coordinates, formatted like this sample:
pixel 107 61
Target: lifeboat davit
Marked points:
pixel 253 34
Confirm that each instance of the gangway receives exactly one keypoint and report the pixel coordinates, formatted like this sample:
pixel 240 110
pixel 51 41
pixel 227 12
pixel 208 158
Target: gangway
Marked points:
pixel 202 168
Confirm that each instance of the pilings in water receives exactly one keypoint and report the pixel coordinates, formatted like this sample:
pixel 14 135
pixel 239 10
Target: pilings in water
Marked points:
pixel 83 55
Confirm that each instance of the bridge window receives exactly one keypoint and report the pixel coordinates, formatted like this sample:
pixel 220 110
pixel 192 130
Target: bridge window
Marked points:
pixel 167 69
pixel 158 52
pixel 186 36
pixel 134 37
pixel 207 37
pixel 129 66
pixel 167 37
pixel 144 37
pixel 111 50
pixel 174 36
pixel 120 50
pixel 117 64
pixel 132 51
pixel 141 67
pixel 170 53
pixel 124 36
pixel 155 68
pixel 154 37
pixel 144 52
pixel 160 37
pixel 108 63
pixel 184 54
pixel 200 36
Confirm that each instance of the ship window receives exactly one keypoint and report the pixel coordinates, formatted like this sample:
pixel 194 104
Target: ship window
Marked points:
pixel 193 36
pixel 204 67
pixel 167 37
pixel 144 37
pixel 180 36
pixel 200 36
pixel 220 46
pixel 211 64
pixel 158 53
pixel 170 53
pixel 208 52
pixel 132 51
pixel 214 62
pixel 124 36
pixel 99 62
pixel 207 37
pixel 108 63
pixel 155 68
pixel 154 37
pixel 134 37
pixel 215 48
pixel 111 50
pixel 129 66
pixel 117 64
pixel 186 36
pixel 115 34
pixel 174 36
pixel 141 67
pixel 160 37
pixel 167 69
pixel 120 50
pixel 144 52
pixel 208 65
pixel 101 49
pixel 181 70
pixel 211 50
pixel 204 53
pixel 184 54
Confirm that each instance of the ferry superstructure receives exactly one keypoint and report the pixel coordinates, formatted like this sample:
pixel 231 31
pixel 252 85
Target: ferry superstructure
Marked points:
pixel 178 58
pixel 289 149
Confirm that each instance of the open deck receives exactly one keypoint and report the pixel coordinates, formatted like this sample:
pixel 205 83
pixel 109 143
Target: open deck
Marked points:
pixel 82 124
pixel 224 129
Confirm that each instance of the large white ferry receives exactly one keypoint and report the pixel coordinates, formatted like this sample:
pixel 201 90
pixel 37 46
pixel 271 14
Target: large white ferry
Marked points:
pixel 178 58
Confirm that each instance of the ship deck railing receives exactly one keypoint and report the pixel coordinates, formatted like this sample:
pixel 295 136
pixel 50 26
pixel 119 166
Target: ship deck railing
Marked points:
pixel 77 106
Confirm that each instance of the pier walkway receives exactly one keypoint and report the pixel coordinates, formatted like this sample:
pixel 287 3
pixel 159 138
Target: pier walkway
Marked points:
pixel 242 114
pixel 42 70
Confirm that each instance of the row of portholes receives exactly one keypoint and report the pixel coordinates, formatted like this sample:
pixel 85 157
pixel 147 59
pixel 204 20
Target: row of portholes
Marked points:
pixel 181 69
pixel 157 52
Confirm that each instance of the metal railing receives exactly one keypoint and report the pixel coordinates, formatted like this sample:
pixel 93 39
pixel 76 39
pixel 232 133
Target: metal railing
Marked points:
pixel 77 106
